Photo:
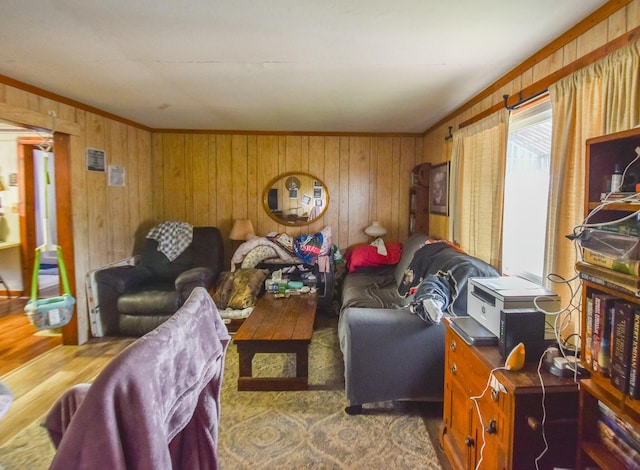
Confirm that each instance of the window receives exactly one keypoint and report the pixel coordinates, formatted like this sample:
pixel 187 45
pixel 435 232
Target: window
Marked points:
pixel 526 191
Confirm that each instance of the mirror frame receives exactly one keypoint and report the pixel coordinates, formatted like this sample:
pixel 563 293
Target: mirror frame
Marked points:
pixel 274 180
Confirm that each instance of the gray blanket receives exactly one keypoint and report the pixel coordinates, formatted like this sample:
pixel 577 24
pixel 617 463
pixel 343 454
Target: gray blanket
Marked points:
pixel 439 267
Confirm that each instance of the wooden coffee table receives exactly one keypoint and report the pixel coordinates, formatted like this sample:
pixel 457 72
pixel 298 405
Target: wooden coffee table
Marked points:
pixel 277 325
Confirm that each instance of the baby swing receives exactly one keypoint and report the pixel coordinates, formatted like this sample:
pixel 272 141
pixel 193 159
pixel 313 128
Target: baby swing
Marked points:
pixel 56 311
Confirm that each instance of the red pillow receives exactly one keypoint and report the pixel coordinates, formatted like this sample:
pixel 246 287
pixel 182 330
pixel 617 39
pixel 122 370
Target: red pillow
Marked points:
pixel 367 255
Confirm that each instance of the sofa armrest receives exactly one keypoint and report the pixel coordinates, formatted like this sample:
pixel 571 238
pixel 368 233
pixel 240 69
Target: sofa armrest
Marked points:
pixel 123 278
pixel 390 354
pixel 113 282
pixel 192 278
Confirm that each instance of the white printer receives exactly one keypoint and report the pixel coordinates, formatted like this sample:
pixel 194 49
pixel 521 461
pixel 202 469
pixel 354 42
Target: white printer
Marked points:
pixel 486 297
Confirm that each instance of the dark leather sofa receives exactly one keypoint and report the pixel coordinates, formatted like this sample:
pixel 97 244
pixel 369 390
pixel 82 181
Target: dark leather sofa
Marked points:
pixel 134 300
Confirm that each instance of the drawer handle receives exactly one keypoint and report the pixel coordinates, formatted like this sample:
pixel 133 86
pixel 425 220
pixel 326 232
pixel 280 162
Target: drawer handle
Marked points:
pixel 453 345
pixel 468 441
pixel 495 395
pixel 491 428
pixel 454 369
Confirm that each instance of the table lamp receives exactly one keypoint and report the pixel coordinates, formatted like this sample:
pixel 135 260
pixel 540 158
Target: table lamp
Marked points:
pixel 242 230
pixel 375 230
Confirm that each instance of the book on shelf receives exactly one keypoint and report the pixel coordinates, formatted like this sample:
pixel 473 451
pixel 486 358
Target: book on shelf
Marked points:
pixel 618 447
pixel 614 196
pixel 609 284
pixel 589 331
pixel 624 266
pixel 601 338
pixel 619 425
pixel 622 331
pixel 626 280
pixel 625 283
pixel 627 227
pixel 634 367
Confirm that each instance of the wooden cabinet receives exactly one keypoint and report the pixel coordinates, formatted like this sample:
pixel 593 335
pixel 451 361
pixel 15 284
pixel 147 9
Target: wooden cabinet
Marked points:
pixel 603 154
pixel 419 199
pixel 511 408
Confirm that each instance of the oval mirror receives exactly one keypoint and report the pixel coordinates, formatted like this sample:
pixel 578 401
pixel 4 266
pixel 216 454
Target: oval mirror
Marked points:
pixel 295 198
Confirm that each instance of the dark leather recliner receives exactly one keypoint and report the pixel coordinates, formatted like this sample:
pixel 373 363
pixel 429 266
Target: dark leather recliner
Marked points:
pixel 134 300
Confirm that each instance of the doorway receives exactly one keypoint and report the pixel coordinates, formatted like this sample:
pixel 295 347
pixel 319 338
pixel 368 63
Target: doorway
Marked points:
pixel 27 213
pixel 18 342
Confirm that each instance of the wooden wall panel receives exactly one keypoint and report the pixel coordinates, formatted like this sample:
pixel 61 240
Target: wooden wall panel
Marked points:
pixel 352 167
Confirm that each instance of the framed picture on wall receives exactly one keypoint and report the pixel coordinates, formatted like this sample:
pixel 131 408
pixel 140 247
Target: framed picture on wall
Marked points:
pixel 439 189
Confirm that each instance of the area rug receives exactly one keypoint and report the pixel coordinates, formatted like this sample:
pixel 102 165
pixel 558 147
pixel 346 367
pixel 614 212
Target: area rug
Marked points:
pixel 290 430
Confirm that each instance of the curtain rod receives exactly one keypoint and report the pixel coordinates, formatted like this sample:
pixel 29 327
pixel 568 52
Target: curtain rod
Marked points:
pixel 522 100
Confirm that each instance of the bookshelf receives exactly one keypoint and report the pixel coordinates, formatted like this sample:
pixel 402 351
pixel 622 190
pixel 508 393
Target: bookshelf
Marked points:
pixel 598 392
pixel 419 199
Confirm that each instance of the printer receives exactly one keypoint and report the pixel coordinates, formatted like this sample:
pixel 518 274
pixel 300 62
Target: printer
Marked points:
pixel 488 297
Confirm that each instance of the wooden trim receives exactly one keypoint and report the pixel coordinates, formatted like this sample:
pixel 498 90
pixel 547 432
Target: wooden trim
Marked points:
pixel 589 22
pixel 26 212
pixel 287 133
pixel 68 101
pixel 62 146
pixel 36 120
pixel 549 80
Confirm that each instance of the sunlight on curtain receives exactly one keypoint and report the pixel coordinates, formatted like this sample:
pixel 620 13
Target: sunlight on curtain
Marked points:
pixel 478 161
pixel 599 99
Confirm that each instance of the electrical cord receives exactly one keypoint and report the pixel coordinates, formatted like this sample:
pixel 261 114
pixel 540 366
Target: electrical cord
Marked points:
pixel 544 413
pixel 475 401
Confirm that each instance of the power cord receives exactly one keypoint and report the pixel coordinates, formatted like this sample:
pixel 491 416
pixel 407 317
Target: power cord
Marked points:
pixel 475 401
pixel 544 412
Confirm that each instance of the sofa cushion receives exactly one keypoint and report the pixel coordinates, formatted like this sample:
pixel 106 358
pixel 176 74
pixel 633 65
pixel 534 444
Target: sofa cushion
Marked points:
pixel 371 290
pixel 414 242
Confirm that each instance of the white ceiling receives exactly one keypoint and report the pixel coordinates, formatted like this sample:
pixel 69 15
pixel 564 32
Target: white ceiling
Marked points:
pixel 276 65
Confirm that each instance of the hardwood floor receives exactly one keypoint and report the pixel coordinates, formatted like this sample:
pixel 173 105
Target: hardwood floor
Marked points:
pixel 37 368
pixel 19 340
pixel 36 385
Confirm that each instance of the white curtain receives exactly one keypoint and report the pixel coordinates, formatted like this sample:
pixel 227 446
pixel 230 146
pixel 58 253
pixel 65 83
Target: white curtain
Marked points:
pixel 599 99
pixel 477 191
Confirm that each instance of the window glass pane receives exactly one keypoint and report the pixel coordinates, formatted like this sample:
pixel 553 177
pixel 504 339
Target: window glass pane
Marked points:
pixel 526 191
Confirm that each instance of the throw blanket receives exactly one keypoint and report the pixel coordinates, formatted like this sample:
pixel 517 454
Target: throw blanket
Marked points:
pixel 172 237
pixel 249 245
pixel 444 270
pixel 156 405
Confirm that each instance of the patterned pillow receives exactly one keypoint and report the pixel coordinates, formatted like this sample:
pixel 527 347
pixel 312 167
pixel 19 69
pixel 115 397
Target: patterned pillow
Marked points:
pixel 257 254
pixel 239 289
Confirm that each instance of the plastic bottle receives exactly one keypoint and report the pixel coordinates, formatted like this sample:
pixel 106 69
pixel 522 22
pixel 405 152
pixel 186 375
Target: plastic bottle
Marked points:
pixel 616 178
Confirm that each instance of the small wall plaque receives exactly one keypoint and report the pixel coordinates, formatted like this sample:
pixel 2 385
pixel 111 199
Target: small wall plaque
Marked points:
pixel 96 159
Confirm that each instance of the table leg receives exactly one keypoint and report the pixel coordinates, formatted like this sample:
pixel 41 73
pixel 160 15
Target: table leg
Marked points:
pixel 302 362
pixel 245 360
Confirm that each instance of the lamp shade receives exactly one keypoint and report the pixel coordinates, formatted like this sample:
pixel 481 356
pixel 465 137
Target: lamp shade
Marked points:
pixel 375 230
pixel 242 230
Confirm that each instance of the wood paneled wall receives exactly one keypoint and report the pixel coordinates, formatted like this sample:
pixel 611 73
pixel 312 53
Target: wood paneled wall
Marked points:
pixel 437 150
pixel 213 179
pixel 105 219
